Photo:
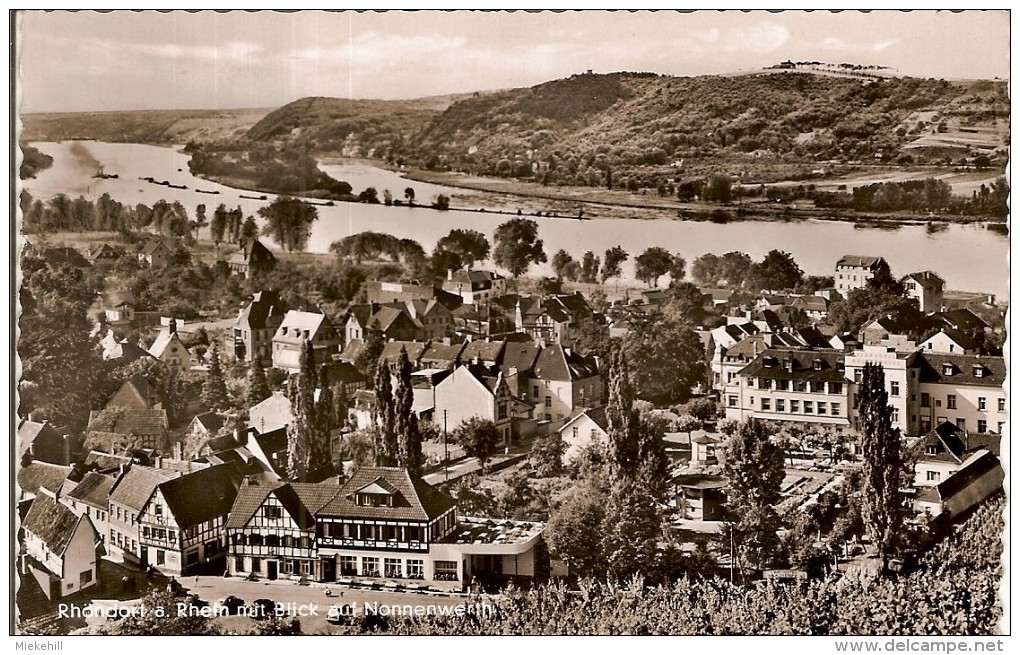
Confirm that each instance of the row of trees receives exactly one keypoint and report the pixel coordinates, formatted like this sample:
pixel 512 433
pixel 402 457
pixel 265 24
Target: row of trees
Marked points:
pixel 650 265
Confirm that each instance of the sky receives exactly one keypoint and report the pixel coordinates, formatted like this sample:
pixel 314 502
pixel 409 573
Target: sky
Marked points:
pixel 91 61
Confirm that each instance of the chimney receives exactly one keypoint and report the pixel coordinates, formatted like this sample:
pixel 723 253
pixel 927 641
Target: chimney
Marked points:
pixel 449 274
pixel 159 461
pixel 789 364
pixel 172 328
pixel 179 450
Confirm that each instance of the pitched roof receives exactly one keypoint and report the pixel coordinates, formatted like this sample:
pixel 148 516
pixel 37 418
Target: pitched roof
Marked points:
pixel 976 466
pixel 211 421
pixel 252 252
pixel 485 351
pixel 163 341
pixel 927 279
pixel 774 362
pixel 65 255
pixel 520 355
pixel 149 247
pixel 961 319
pixel 133 394
pixel 960 338
pixel 40 475
pixel 558 363
pixel 414 499
pixel 391 351
pixel 130 421
pixel 296 323
pixel 271 414
pixel 274 445
pixel 265 305
pixel 250 497
pixel 437 351
pixel 203 495
pixel 860 261
pixel 949 368
pixel 29 431
pixel 52 522
pixel 94 489
pixel 351 350
pixel 106 461
pixel 387 316
pixel 135 487
pixel 597 415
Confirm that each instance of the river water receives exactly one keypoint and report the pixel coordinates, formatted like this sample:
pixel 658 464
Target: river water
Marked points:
pixel 969 257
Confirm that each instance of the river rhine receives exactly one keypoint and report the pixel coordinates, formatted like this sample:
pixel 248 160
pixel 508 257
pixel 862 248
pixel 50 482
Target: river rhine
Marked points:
pixel 969 257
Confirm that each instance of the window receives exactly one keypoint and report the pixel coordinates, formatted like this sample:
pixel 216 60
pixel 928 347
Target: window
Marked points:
pixel 574 432
pixel 731 400
pixel 272 540
pixel 1002 404
pixel 951 401
pixel 256 565
pixel 158 510
pixel 84 578
pixel 895 415
pixel 348 565
pixel 370 566
pixel 800 385
pixel 415 569
pixel 766 405
pixel 239 564
pixel 392 568
pixel 982 403
pixel 548 401
pixel 783 385
pixel 535 391
pixel 446 570
pixel 304 567
pixel 932 476
pixel 780 405
pixel 835 387
pixel 961 423
pixel 982 426
pixel 834 409
pixel 925 400
pixel 274 512
pixel 795 406
pixel 809 407
pixel 894 388
pixel 160 557
pixel 821 408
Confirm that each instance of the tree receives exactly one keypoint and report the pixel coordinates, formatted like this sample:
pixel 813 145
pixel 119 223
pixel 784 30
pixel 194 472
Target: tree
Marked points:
pixel 218 226
pixel 478 437
pixel 652 264
pixel 289 222
pixel 623 422
pixel 753 465
pixel 368 357
pixel 882 510
pixel 590 268
pixel 667 359
pixel 632 528
pixel 409 195
pixel 677 270
pixel 862 306
pixel 250 229
pixel 777 271
pixel 387 448
pixel 442 202
pixel 308 447
pixel 614 258
pixel 463 248
pixel 547 454
pixel 409 453
pixel 518 246
pixel 574 531
pixel 62 370
pixel 214 388
pixel 719 189
pixel 561 262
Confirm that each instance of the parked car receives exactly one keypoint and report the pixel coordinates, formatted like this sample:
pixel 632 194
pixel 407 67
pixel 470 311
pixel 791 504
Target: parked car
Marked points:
pixel 263 608
pixel 232 603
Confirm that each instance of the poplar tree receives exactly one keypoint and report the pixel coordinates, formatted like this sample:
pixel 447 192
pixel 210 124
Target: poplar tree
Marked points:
pixel 409 439
pixel 386 450
pixel 882 509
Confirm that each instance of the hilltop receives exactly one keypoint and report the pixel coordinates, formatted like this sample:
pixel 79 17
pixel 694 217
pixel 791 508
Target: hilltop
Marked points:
pixel 157 127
